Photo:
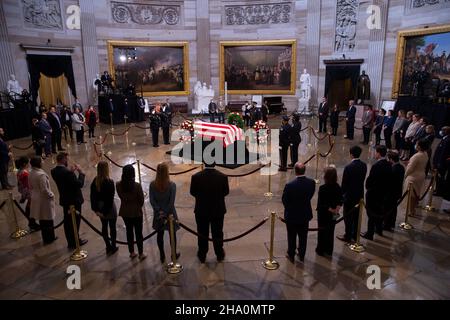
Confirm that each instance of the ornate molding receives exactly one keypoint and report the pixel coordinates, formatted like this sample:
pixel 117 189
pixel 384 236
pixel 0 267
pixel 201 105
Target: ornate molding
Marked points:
pixel 424 3
pixel 42 14
pixel 345 28
pixel 258 14
pixel 413 6
pixel 145 14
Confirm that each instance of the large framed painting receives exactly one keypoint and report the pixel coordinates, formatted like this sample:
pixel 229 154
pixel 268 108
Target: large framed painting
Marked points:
pixel 422 66
pixel 258 67
pixel 154 68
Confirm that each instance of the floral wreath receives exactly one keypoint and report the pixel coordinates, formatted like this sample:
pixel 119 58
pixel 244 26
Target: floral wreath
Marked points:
pixel 262 131
pixel 235 118
pixel 188 126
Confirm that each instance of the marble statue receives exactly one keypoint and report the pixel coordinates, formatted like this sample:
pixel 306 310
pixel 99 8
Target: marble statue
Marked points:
pixel 203 96
pixel 13 85
pixel 305 85
pixel 363 87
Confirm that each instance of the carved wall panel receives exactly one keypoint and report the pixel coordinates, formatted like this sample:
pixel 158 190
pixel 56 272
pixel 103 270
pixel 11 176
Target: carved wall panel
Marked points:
pixel 414 6
pixel 345 29
pixel 145 13
pixel 42 14
pixel 258 14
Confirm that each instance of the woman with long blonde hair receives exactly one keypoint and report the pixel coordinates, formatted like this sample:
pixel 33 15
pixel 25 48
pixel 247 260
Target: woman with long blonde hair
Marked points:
pixel 102 203
pixel 162 199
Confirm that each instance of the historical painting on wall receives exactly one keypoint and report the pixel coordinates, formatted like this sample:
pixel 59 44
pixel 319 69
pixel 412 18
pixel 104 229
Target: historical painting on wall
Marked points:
pixel 423 63
pixel 258 67
pixel 154 68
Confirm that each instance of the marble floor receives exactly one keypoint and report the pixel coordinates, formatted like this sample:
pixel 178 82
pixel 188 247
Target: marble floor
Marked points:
pixel 414 264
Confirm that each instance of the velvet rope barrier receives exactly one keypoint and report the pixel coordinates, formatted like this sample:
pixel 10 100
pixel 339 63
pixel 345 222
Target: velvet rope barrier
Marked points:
pixel 224 240
pixel 1 205
pixel 317 137
pixel 115 163
pixel 328 152
pixel 23 148
pixel 245 174
pixel 171 173
pixel 121 134
pixel 117 241
pixel 140 127
pixel 28 218
pixel 426 191
pixel 104 139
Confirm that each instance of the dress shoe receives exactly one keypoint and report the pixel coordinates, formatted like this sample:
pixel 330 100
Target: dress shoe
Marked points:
pixel 133 255
pixel 282 169
pixel 155 146
pixel 380 233
pixel 201 258
pixel 320 253
pixel 113 250
pixel 290 165
pixel 49 242
pixel 162 258
pixel 221 257
pixel 290 258
pixel 343 238
pixel 83 242
pixel 142 256
pixel 367 236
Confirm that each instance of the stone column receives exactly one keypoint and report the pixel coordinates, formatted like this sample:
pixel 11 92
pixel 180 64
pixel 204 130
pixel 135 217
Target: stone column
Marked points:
pixel 203 42
pixel 7 63
pixel 313 46
pixel 377 39
pixel 90 50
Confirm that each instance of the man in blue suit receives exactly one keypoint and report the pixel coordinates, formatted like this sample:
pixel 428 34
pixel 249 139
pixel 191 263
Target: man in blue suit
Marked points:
pixel 297 196
pixel 350 120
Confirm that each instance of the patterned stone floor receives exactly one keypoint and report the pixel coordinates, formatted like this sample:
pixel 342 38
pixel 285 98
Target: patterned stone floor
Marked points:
pixel 414 264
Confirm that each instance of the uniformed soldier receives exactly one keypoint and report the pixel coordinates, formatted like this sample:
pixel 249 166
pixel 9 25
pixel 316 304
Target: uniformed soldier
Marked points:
pixel 284 142
pixel 166 121
pixel 155 123
pixel 295 138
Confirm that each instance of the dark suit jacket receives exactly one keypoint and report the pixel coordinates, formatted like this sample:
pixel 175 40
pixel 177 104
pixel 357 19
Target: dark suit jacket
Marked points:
pixel 69 186
pixel 297 196
pixel 330 196
pixel 441 153
pixel 51 118
pixel 379 184
pixel 353 181
pixel 351 113
pixel 209 187
pixel 323 108
pixel 398 175
pixel 4 152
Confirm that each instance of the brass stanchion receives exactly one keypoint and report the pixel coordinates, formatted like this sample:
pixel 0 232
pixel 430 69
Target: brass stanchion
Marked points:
pixel 271 263
pixel 111 119
pixel 429 207
pixel 406 225
pixel 269 193
pixel 125 118
pixel 19 232
pixel 358 247
pixel 13 162
pixel 78 254
pixel 317 180
pixel 173 267
pixel 309 138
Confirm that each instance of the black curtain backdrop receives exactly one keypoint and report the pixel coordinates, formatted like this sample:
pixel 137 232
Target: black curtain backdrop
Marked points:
pixel 51 66
pixel 341 73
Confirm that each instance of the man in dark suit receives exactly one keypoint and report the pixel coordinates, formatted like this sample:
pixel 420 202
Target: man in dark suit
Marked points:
pixel 441 154
pixel 295 138
pixel 378 189
pixel 398 174
pixel 297 196
pixel 166 120
pixel 284 142
pixel 55 122
pixel 69 188
pixel 353 190
pixel 350 120
pixel 323 115
pixel 209 187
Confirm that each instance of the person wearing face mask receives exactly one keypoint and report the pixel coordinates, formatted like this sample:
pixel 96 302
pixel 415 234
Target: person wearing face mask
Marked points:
pixel 440 160
pixel 69 188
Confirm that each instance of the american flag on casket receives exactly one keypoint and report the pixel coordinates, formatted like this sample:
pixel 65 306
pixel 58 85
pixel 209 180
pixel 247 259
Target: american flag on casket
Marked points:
pixel 228 133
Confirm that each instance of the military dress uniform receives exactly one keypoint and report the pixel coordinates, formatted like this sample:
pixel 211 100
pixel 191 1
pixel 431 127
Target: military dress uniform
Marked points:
pixel 295 140
pixel 155 123
pixel 166 120
pixel 284 143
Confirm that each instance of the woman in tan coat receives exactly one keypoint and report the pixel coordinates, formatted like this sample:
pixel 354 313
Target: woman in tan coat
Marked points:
pixel 42 200
pixel 415 172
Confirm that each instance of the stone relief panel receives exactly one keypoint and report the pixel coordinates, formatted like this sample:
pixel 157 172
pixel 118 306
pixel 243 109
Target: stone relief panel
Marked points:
pixel 42 14
pixel 413 6
pixel 145 14
pixel 258 14
pixel 345 29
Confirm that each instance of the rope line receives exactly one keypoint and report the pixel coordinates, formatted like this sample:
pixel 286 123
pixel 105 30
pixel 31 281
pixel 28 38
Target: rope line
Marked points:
pixel 115 163
pixel 1 205
pixel 23 148
pixel 171 173
pixel 28 218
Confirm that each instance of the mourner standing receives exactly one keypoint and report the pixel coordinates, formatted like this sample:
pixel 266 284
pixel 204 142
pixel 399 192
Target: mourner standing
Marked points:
pixel 323 115
pixel 166 121
pixel 295 138
pixel 350 119
pixel 155 123
pixel 212 109
pixel 284 143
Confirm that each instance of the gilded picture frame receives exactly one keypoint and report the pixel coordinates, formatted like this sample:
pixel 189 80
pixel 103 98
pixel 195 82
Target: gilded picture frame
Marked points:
pixel 264 49
pixel 147 48
pixel 402 39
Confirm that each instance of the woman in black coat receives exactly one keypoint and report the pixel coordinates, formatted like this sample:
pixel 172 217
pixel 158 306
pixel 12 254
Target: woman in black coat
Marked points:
pixel 329 203
pixel 102 203
pixel 334 120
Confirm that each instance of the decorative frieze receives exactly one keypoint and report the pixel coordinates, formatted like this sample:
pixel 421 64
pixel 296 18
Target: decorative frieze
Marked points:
pixel 424 3
pixel 42 14
pixel 145 13
pixel 417 6
pixel 345 29
pixel 258 14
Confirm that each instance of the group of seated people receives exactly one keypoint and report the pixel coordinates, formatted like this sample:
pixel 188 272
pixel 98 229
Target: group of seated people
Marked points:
pixel 49 125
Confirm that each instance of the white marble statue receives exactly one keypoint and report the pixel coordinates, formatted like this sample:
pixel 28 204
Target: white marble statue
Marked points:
pixel 203 96
pixel 13 85
pixel 305 85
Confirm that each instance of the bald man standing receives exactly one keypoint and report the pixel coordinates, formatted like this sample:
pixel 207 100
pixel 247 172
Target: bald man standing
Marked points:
pixel 296 198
